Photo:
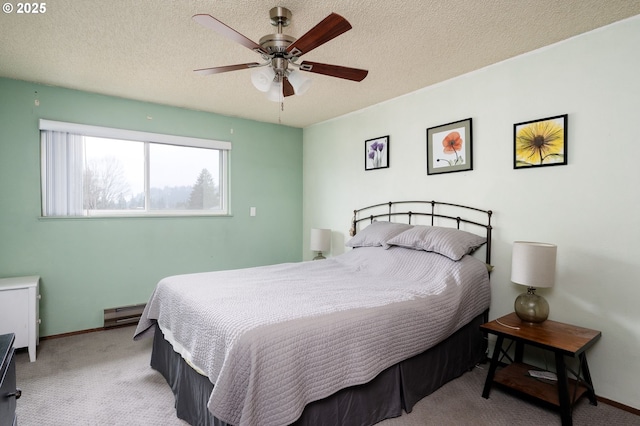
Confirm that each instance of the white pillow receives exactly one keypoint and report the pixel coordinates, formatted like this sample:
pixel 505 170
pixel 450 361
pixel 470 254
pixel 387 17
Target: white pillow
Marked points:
pixel 377 234
pixel 449 242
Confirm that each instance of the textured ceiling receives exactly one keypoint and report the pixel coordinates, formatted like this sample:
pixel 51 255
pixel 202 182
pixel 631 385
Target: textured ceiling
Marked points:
pixel 148 49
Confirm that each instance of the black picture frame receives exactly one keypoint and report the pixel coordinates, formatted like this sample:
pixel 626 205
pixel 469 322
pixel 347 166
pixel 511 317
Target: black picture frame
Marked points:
pixel 376 153
pixel 540 143
pixel 449 147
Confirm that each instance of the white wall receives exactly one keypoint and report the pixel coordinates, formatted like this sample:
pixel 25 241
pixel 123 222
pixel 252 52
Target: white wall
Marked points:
pixel 590 208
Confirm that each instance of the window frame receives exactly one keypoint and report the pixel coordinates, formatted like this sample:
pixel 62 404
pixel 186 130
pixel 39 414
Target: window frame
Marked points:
pixel 224 148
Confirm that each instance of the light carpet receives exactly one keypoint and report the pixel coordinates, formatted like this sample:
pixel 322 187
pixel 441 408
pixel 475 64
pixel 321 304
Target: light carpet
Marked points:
pixel 104 378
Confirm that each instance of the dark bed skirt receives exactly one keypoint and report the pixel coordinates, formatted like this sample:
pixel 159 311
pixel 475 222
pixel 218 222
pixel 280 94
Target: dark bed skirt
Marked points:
pixel 397 388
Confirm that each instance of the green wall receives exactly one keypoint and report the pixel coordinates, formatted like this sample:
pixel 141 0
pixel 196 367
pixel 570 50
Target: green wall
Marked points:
pixel 87 265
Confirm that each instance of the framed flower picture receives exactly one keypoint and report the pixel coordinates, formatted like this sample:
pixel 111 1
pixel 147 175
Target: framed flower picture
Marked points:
pixel 449 147
pixel 376 153
pixel 541 142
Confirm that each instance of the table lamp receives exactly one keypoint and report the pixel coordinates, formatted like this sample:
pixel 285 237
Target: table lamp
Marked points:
pixel 533 265
pixel 320 241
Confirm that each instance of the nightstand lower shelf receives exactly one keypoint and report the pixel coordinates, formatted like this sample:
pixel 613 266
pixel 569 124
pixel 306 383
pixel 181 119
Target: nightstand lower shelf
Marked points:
pixel 516 377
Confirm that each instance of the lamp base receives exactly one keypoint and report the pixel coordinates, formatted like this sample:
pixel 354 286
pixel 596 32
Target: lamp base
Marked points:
pixel 319 256
pixel 530 307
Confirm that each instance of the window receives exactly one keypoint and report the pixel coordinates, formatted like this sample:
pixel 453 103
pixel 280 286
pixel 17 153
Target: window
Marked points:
pixel 98 171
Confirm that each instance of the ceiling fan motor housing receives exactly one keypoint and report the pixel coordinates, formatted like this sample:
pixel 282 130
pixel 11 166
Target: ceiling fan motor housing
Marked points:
pixel 276 43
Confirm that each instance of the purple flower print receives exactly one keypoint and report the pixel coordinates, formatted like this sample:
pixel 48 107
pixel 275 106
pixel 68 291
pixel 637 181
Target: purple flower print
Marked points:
pixel 375 154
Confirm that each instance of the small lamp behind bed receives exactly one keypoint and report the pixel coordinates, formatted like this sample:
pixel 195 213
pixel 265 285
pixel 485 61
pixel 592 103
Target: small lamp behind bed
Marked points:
pixel 533 265
pixel 320 242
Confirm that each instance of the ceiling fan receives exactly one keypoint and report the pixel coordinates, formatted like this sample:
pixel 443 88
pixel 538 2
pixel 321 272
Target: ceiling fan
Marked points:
pixel 279 74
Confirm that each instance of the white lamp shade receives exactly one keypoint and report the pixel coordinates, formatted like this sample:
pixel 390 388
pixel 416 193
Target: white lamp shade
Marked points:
pixel 300 82
pixel 262 78
pixel 320 240
pixel 275 92
pixel 533 264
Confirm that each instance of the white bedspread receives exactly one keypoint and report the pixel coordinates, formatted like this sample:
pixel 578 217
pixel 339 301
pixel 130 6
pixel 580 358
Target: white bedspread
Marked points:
pixel 275 338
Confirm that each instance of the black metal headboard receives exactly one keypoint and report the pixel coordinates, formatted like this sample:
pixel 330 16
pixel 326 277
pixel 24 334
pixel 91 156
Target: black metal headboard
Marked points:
pixel 398 210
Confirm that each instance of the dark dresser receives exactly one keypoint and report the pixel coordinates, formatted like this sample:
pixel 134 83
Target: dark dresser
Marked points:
pixel 8 391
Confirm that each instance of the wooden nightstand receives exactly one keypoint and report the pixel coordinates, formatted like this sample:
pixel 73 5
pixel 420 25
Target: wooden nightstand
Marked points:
pixel 561 339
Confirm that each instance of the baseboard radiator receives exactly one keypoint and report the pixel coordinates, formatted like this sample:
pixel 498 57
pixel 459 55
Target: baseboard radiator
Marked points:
pixel 123 315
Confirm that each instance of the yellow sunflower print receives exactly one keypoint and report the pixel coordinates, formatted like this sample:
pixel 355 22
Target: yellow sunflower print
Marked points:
pixel 540 143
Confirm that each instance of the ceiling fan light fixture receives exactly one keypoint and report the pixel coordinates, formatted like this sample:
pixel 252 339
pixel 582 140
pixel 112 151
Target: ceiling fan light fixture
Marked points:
pixel 300 82
pixel 262 78
pixel 281 51
pixel 275 92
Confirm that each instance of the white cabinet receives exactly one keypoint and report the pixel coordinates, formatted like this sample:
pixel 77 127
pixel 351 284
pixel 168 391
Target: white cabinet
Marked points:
pixel 20 311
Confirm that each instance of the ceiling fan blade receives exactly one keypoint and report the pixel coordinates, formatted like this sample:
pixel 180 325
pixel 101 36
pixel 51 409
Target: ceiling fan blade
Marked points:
pixel 224 30
pixel 287 88
pixel 329 28
pixel 354 74
pixel 218 70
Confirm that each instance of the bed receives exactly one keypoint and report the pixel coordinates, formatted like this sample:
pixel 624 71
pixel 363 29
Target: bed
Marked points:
pixel 351 340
